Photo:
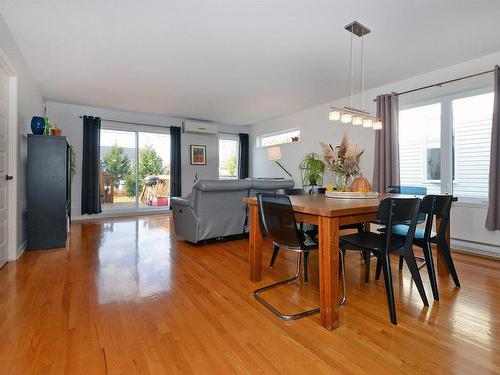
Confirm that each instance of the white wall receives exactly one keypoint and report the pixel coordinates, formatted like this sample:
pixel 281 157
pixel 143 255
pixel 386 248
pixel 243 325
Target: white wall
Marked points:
pixel 30 102
pixel 66 116
pixel 467 220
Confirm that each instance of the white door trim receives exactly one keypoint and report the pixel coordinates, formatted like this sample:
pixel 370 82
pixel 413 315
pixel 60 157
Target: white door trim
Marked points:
pixel 12 156
pixel 13 145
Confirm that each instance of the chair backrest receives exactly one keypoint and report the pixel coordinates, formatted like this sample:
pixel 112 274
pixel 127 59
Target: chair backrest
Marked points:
pixel 317 190
pixel 276 214
pixel 394 211
pixel 290 191
pixel 436 206
pixel 410 190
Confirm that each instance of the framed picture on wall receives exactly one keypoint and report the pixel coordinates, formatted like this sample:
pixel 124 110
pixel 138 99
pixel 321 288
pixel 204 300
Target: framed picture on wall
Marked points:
pixel 198 154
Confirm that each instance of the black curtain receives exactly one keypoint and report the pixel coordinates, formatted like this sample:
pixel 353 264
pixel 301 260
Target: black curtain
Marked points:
pixel 243 158
pixel 91 202
pixel 175 162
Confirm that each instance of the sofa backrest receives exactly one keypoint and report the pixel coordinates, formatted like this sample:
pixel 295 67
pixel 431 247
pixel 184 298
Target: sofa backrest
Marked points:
pixel 219 206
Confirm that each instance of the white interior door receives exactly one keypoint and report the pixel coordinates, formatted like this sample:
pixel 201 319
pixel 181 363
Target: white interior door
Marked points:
pixel 4 144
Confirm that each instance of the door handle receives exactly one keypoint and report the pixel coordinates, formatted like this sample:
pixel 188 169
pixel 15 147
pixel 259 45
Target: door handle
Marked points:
pixel 8 177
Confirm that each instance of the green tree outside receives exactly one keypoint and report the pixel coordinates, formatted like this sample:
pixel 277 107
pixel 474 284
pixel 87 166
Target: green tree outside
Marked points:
pixel 150 164
pixel 117 164
pixel 231 165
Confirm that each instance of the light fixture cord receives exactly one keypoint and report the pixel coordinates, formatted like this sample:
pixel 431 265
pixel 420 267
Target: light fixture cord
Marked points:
pixel 351 70
pixel 362 74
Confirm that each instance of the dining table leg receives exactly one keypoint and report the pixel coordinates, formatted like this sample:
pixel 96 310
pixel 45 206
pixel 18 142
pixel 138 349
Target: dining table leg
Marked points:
pixel 255 245
pixel 328 233
pixel 441 265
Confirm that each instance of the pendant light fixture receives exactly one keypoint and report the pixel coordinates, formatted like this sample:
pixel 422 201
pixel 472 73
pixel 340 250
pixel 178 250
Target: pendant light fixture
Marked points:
pixel 351 115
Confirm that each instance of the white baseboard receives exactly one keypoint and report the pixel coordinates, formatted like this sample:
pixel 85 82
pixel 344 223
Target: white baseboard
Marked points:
pixel 476 247
pixel 21 249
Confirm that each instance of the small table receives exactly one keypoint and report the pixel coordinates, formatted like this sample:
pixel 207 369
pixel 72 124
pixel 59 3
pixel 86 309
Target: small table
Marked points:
pixel 328 214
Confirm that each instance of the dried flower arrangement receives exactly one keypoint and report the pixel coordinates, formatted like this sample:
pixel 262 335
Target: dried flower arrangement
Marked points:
pixel 343 160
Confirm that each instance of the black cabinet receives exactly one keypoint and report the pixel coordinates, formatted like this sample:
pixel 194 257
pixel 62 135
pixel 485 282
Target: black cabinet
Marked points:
pixel 48 184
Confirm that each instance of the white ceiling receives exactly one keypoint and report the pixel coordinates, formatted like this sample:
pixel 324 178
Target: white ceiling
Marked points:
pixel 236 61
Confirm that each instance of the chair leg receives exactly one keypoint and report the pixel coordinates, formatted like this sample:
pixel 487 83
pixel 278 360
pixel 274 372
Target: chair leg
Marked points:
pixel 386 265
pixel 379 269
pixel 366 255
pixel 400 263
pixel 445 253
pixel 276 250
pixel 306 273
pixel 342 270
pixel 275 311
pixel 415 274
pixel 429 261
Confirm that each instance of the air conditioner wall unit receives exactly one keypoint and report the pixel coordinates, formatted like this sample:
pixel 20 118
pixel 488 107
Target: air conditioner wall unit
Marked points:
pixel 199 127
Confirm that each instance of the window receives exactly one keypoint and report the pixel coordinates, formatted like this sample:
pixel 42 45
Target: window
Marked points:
pixel 472 118
pixel 420 147
pixel 135 169
pixel 228 158
pixel 463 171
pixel 287 136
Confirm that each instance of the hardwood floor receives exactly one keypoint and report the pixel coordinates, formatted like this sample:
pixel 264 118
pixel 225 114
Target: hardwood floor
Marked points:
pixel 127 297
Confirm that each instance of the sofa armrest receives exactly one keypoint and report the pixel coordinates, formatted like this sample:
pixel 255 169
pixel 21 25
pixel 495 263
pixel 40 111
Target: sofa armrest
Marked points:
pixel 178 201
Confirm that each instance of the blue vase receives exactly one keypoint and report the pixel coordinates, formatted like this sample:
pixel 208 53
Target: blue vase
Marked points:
pixel 37 125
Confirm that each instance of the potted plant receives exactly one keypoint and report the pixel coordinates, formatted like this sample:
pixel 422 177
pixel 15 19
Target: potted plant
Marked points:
pixel 312 169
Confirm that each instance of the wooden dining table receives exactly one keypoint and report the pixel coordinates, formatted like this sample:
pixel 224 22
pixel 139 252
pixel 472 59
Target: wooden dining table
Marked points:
pixel 328 214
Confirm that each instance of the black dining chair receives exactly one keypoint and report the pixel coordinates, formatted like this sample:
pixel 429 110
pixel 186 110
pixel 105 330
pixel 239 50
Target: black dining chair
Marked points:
pixel 432 206
pixel 410 190
pixel 391 211
pixel 291 191
pixel 309 229
pixel 278 218
pixel 317 190
pixel 276 249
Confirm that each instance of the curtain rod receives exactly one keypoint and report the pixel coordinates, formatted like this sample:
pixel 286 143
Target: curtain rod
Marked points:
pixel 439 84
pixel 153 125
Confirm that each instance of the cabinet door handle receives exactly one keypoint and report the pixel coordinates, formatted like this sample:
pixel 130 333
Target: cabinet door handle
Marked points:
pixel 9 177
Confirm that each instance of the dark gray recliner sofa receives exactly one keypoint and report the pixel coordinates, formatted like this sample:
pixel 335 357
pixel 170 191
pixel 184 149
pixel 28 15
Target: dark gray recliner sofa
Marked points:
pixel 216 209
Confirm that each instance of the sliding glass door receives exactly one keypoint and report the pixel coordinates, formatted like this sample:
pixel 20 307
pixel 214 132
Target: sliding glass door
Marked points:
pixel 135 170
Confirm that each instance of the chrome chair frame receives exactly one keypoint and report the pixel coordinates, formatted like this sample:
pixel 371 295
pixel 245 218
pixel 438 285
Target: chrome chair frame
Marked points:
pixel 302 314
pixel 293 241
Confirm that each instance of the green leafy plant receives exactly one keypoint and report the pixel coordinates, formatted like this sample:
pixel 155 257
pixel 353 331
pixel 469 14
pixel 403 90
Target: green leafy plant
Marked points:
pixel 117 164
pixel 312 168
pixel 231 165
pixel 150 164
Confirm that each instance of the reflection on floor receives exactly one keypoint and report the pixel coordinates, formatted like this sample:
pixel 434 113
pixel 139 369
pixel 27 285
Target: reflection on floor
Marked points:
pixel 128 297
pixel 134 261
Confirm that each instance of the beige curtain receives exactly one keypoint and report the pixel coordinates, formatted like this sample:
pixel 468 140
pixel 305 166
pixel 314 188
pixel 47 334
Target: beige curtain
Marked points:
pixel 493 217
pixel 386 168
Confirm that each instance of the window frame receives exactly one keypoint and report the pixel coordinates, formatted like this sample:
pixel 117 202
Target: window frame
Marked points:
pixel 228 137
pixel 258 138
pixel 136 129
pixel 447 141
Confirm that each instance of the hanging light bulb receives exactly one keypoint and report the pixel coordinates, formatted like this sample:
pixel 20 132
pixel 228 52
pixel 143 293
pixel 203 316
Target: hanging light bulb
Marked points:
pixel 346 118
pixel 367 122
pixel 357 120
pixel 334 115
pixel 377 125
